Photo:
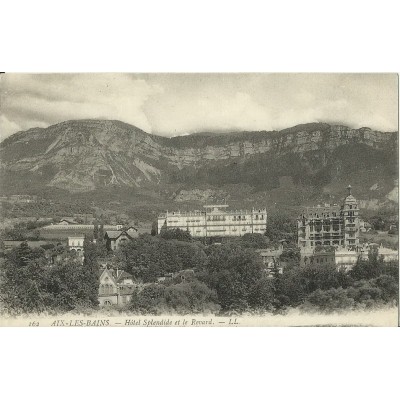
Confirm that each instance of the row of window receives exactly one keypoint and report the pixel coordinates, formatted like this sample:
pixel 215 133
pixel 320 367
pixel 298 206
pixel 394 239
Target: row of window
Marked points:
pixel 319 223
pixel 326 242
pixel 323 215
pixel 77 243
pixel 326 229
pixel 233 230
pixel 323 259
pixel 109 303
pixel 218 218
pixel 106 289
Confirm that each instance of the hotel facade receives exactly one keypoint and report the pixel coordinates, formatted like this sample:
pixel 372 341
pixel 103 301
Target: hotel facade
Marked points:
pixel 215 221
pixel 333 225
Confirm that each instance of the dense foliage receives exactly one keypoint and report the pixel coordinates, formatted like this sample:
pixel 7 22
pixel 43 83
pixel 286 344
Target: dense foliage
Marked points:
pixel 186 277
pixel 28 284
pixel 149 257
pixel 177 234
pixel 181 298
pixel 24 230
pixel 281 226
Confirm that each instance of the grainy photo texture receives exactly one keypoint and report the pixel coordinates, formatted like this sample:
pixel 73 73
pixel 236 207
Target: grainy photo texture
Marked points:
pixel 188 200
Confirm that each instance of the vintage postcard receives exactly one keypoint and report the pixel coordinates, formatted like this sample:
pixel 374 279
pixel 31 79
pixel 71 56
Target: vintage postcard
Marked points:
pixel 199 200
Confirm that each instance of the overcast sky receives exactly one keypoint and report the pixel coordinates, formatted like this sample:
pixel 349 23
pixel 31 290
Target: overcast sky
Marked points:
pixel 176 104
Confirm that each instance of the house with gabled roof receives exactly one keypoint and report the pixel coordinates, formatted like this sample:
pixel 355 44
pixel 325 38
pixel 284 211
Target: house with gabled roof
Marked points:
pixel 116 287
pixel 115 238
pixel 108 289
pixel 131 231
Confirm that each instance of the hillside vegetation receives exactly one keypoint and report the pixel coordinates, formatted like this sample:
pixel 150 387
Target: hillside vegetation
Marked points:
pixel 99 162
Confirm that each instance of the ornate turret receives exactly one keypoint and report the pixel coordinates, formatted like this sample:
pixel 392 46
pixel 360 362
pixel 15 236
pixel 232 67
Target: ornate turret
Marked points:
pixel 350 200
pixel 350 212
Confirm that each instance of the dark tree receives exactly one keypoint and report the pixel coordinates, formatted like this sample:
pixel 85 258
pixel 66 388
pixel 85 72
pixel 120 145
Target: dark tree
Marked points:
pixel 254 240
pixel 233 272
pixel 154 228
pixel 22 280
pixel 91 271
pixel 149 257
pixel 101 233
pixel 328 300
pixel 96 231
pixel 367 269
pixel 177 234
pixel 262 295
pixel 281 226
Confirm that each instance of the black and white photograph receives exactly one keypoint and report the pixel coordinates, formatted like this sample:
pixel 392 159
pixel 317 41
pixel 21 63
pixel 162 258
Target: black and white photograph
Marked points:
pixel 199 199
pixel 225 166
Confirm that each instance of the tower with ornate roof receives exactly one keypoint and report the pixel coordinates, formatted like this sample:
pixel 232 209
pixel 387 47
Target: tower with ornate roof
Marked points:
pixel 351 220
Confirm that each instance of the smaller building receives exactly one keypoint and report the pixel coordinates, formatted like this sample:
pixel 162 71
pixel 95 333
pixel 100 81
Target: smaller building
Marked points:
pixel 131 231
pixel 364 226
pixel 72 225
pixel 76 243
pixel 341 257
pixel 67 221
pixel 114 239
pixel 346 259
pixel 116 288
pixel 271 259
pixel 321 258
pixel 387 255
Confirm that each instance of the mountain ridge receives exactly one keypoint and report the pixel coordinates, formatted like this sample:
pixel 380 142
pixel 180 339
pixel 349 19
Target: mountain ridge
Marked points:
pixel 86 155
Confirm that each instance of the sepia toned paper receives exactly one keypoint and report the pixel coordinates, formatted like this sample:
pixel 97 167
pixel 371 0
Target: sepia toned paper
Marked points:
pixel 199 200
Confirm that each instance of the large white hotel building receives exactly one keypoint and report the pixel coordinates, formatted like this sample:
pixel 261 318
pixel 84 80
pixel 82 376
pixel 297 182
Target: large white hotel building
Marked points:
pixel 216 221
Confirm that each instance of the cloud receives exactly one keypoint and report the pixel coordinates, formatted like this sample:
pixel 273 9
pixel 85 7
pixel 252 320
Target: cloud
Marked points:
pixel 239 112
pixel 272 101
pixel 50 99
pixel 173 104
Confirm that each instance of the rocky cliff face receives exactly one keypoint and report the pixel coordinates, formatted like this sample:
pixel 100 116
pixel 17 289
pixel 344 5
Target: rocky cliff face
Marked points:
pixel 86 154
pixel 81 155
pixel 300 139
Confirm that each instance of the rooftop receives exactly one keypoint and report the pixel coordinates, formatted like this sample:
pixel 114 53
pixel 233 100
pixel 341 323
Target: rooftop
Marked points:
pixel 214 210
pixel 114 234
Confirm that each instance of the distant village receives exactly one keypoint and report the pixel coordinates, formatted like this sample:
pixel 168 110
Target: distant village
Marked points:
pixel 326 234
